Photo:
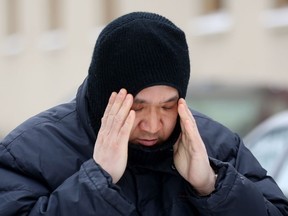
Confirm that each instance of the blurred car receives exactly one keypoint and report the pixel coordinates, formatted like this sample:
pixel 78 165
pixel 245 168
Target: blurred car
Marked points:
pixel 240 108
pixel 269 143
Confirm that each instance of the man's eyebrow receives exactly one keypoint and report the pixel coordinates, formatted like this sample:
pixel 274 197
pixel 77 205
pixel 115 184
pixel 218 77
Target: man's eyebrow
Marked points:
pixel 172 99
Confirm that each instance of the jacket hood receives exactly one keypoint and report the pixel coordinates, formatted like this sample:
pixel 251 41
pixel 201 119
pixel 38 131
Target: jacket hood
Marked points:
pixel 82 108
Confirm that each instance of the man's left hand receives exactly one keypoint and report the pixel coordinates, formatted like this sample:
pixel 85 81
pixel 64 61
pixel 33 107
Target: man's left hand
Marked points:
pixel 190 155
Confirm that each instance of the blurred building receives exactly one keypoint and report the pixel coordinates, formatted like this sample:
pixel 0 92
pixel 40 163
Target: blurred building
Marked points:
pixel 46 46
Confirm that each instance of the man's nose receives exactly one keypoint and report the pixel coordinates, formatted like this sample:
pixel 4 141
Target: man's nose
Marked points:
pixel 152 122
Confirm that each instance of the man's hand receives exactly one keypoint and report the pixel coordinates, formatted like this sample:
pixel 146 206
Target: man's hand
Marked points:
pixel 190 155
pixel 111 147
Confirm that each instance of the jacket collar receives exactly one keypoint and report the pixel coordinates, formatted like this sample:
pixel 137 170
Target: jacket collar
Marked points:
pixel 82 109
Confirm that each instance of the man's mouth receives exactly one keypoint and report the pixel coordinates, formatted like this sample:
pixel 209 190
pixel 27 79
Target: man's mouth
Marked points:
pixel 147 142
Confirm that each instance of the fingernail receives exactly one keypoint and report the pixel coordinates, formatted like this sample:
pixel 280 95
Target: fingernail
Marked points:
pixel 129 97
pixel 113 94
pixel 122 91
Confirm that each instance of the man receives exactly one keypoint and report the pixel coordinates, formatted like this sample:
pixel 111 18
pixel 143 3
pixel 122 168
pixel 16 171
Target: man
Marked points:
pixel 129 145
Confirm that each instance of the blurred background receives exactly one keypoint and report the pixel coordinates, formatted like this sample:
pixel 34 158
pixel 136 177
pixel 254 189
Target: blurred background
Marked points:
pixel 239 52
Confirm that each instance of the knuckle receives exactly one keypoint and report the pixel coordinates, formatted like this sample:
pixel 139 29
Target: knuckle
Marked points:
pixel 110 116
pixel 123 132
pixel 103 119
pixel 193 121
pixel 118 119
pixel 101 132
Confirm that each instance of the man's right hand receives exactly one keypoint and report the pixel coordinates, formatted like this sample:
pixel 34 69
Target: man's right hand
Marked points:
pixel 111 147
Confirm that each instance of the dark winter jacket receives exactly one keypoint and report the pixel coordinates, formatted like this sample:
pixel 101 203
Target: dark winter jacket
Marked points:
pixel 46 168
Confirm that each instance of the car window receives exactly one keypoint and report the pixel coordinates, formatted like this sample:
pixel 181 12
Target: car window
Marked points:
pixel 269 148
pixel 283 176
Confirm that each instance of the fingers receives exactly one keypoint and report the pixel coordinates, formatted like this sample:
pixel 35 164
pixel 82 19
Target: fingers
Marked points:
pixel 187 120
pixel 110 103
pixel 108 108
pixel 117 103
pixel 121 118
pixel 185 112
pixel 113 137
pixel 117 110
pixel 128 124
pixel 191 137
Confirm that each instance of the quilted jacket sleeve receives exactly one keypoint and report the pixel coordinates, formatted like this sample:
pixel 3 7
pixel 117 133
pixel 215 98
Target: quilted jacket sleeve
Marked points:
pixel 87 192
pixel 242 188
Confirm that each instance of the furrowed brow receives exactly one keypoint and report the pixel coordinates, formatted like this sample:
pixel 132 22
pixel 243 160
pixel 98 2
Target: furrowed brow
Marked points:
pixel 172 99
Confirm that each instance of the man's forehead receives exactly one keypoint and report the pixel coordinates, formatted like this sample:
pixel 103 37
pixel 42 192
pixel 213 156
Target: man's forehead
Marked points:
pixel 173 98
pixel 157 93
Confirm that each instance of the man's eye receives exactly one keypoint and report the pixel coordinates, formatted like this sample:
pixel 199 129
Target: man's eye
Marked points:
pixel 137 108
pixel 167 108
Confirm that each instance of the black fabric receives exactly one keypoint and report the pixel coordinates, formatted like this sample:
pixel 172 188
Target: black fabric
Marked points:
pixel 136 51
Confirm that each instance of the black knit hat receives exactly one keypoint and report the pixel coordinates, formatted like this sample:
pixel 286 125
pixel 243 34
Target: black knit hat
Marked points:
pixel 136 51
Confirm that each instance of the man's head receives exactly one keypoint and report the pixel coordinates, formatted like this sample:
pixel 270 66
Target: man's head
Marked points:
pixel 136 51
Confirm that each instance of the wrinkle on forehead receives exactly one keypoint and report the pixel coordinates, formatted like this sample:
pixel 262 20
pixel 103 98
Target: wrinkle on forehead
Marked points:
pixel 157 95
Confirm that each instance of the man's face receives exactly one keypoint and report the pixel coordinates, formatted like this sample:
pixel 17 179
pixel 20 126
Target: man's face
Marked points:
pixel 156 115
